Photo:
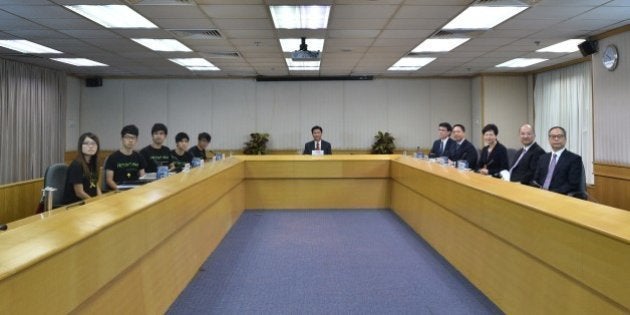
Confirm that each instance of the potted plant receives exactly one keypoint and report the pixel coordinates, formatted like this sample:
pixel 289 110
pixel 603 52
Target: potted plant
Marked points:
pixel 383 143
pixel 257 145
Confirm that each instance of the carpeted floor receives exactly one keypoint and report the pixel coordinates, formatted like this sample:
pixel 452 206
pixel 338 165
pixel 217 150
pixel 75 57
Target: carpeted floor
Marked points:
pixel 327 262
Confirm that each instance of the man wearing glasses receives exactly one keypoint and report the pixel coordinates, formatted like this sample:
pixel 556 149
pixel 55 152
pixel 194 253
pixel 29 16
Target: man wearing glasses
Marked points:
pixel 443 145
pixel 125 165
pixel 559 170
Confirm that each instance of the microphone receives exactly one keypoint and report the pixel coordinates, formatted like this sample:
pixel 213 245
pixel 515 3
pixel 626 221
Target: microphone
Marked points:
pixel 535 184
pixel 3 227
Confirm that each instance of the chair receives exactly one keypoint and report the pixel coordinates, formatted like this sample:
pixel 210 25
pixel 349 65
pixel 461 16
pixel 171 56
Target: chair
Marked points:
pixel 581 193
pixel 104 187
pixel 511 153
pixel 55 177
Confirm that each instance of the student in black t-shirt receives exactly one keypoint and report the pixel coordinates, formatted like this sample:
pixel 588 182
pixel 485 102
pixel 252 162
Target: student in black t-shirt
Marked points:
pixel 156 154
pixel 82 178
pixel 199 151
pixel 179 155
pixel 125 164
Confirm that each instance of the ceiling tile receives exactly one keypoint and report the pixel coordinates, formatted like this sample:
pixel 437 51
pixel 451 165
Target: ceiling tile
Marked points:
pixel 363 11
pixel 236 11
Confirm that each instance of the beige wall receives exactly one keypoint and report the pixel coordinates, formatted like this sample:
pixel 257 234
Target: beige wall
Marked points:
pixel 351 112
pixel 611 104
pixel 505 103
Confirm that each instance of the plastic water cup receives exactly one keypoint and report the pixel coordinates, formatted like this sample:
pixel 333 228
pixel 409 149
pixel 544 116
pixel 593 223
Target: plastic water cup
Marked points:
pixel 162 171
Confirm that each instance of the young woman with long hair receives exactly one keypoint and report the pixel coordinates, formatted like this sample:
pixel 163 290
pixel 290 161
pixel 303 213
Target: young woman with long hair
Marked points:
pixel 82 179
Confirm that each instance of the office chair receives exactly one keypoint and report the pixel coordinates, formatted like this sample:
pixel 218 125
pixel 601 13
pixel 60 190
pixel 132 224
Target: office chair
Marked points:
pixel 55 177
pixel 581 193
pixel 103 182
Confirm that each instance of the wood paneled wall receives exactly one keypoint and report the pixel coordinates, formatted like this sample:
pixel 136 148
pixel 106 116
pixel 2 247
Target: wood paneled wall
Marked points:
pixel 19 200
pixel 612 185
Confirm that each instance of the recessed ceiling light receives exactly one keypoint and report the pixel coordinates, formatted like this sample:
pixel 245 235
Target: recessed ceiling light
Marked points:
pixel 410 64
pixel 112 16
pixel 302 65
pixel 439 44
pixel 292 44
pixel 161 44
pixel 482 17
pixel 521 62
pixel 80 62
pixel 195 64
pixel 28 47
pixel 300 17
pixel 567 46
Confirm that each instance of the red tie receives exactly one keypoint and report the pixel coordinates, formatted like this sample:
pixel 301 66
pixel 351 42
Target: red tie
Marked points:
pixel 317 145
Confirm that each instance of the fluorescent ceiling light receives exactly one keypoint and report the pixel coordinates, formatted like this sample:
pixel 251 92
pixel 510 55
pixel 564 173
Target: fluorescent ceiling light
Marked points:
pixel 80 62
pixel 480 17
pixel 567 46
pixel 302 65
pixel 439 44
pixel 521 62
pixel 291 44
pixel 112 16
pixel 410 64
pixel 161 44
pixel 195 64
pixel 300 17
pixel 26 46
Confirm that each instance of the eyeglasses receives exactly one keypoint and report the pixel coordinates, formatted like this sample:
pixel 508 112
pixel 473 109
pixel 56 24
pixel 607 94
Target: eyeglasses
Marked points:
pixel 90 143
pixel 556 136
pixel 129 137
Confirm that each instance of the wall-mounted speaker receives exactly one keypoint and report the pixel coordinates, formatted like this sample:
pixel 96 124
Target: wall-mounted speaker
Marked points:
pixel 588 47
pixel 94 82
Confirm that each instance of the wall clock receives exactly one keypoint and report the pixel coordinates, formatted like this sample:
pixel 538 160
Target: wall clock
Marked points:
pixel 610 57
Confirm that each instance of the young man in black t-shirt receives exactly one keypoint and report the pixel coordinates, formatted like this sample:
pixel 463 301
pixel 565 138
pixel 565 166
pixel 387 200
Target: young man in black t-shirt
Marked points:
pixel 199 151
pixel 179 155
pixel 125 164
pixel 156 154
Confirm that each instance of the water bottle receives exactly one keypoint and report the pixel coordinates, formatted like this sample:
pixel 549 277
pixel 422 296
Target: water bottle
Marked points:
pixel 419 153
pixel 162 171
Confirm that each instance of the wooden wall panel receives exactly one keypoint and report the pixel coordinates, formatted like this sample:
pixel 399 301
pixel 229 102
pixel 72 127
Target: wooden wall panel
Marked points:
pixel 20 199
pixel 612 185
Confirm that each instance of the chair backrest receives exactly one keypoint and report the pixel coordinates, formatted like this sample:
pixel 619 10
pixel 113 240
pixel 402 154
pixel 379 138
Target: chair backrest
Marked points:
pixel 511 153
pixel 104 187
pixel 55 177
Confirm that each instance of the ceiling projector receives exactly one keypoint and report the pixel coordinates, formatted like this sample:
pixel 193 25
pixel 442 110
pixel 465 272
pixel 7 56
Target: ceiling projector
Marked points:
pixel 303 54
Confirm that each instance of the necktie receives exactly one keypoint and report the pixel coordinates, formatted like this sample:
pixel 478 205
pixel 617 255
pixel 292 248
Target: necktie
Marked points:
pixel 518 160
pixel 317 145
pixel 552 166
pixel 441 147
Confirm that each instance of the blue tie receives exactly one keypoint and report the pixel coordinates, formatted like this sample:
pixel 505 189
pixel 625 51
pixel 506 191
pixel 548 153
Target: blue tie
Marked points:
pixel 441 148
pixel 552 166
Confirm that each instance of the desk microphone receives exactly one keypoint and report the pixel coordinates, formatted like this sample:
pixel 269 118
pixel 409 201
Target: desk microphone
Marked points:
pixel 3 227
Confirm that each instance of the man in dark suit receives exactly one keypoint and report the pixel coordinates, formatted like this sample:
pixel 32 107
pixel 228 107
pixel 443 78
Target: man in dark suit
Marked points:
pixel 317 146
pixel 560 170
pixel 526 159
pixel 443 145
pixel 464 150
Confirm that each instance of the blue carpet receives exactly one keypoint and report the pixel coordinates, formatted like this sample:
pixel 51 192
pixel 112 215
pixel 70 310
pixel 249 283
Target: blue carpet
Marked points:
pixel 327 262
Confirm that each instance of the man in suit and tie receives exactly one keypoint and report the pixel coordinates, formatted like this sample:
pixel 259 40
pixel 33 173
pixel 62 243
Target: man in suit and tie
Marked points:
pixel 443 145
pixel 464 150
pixel 560 170
pixel 524 167
pixel 317 146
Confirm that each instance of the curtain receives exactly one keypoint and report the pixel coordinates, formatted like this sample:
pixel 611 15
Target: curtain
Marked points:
pixel 563 97
pixel 32 120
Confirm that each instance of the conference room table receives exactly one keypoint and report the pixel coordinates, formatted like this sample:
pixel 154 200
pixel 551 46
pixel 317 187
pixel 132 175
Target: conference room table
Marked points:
pixel 528 250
